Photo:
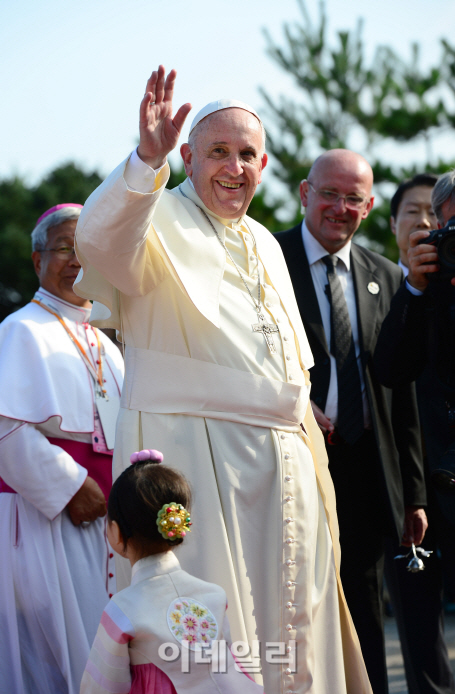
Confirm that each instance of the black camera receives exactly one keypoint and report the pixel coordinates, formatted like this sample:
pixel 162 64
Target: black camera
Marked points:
pixel 444 242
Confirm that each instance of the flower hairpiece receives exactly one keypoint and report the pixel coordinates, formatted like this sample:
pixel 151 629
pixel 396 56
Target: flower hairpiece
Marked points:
pixel 173 521
pixel 146 454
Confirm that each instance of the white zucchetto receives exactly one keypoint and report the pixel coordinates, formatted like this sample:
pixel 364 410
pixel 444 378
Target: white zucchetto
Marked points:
pixel 220 105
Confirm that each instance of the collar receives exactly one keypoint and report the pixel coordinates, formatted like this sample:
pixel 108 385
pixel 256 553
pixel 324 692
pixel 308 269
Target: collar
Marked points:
pixel 155 565
pixel 315 251
pixel 78 314
pixel 404 268
pixel 189 190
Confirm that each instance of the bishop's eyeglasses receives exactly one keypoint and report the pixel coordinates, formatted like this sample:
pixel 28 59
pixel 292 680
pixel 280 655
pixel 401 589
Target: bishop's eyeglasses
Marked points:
pixel 62 252
pixel 352 202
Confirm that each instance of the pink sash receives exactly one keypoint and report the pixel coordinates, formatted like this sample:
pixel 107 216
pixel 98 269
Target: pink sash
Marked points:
pixel 98 465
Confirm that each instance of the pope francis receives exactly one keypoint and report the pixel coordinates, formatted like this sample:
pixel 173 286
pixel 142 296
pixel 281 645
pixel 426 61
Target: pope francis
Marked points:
pixel 217 378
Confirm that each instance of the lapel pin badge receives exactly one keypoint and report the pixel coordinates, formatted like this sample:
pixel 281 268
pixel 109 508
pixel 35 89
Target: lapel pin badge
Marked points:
pixel 373 287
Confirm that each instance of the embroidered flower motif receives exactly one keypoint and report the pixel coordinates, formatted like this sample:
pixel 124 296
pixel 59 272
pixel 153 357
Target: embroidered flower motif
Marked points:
pixel 191 622
pixel 189 638
pixel 176 617
pixel 198 610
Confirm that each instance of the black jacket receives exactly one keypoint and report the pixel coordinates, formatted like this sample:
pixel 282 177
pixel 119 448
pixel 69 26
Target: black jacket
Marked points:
pixel 417 342
pixel 393 411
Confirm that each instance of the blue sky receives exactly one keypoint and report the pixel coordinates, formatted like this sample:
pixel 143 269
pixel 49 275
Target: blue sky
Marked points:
pixel 73 73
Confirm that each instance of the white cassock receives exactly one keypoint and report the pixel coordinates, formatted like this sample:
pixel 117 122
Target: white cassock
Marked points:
pixel 203 388
pixel 55 578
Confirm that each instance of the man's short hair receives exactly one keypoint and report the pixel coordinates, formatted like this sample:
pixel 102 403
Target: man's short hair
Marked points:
pixel 422 179
pixel 443 191
pixel 40 232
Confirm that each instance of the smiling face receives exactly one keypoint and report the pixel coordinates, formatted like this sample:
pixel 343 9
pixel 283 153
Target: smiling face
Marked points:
pixel 57 275
pixel 225 161
pixel 343 172
pixel 414 213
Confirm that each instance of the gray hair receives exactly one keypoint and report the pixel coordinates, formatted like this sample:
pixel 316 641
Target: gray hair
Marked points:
pixel 40 232
pixel 444 190
pixel 194 133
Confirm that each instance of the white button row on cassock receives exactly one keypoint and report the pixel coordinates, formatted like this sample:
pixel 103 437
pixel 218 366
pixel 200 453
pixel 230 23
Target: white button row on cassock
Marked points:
pixel 290 544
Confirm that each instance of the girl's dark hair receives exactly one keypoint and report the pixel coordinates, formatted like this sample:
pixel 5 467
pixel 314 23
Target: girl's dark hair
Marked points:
pixel 136 497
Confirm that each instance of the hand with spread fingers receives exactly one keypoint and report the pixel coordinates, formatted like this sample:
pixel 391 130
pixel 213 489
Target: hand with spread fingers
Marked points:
pixel 159 132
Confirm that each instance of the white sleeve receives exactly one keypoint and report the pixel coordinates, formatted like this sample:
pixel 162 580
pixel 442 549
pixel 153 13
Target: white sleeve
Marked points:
pixel 138 176
pixel 42 473
pixel 112 231
pixel 412 289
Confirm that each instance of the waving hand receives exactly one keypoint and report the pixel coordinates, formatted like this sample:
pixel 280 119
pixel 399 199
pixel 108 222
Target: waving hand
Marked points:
pixel 159 132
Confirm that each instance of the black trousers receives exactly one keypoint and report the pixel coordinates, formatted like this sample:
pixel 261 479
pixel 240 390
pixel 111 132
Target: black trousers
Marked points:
pixel 362 517
pixel 417 606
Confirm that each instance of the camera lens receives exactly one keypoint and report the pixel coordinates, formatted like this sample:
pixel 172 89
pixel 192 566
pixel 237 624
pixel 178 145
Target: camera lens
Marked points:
pixel 446 251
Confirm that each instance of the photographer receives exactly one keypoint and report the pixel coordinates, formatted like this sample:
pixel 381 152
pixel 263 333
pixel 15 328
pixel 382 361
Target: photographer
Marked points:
pixel 417 342
pixel 417 338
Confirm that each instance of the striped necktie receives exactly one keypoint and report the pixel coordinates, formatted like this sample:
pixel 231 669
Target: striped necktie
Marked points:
pixel 350 407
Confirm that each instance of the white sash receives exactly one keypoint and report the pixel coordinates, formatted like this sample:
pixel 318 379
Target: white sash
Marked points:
pixel 162 383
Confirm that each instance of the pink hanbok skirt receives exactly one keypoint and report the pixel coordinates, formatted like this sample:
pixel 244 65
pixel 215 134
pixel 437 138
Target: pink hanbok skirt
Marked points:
pixel 148 679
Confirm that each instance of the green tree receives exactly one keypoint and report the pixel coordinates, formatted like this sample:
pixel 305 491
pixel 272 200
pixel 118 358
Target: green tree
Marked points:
pixel 176 176
pixel 344 102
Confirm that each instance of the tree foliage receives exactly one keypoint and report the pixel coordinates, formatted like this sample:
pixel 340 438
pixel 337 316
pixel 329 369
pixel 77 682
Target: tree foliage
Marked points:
pixel 342 101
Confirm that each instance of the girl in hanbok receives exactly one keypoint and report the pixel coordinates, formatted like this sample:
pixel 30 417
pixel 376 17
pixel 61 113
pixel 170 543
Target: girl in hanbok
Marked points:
pixel 167 633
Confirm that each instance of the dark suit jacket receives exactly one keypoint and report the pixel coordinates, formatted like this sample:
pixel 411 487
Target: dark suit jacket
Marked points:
pixel 393 411
pixel 415 343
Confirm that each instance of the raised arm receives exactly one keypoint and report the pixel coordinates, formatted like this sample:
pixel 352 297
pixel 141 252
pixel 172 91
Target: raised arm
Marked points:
pixel 113 229
pixel 159 132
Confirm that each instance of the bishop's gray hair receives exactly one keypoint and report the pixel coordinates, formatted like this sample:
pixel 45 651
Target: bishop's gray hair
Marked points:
pixel 40 232
pixel 444 190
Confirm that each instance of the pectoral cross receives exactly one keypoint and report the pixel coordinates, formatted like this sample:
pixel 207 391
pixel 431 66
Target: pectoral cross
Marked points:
pixel 266 329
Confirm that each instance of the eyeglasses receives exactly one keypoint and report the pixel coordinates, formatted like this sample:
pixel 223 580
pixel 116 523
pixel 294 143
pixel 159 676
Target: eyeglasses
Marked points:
pixel 62 252
pixel 352 202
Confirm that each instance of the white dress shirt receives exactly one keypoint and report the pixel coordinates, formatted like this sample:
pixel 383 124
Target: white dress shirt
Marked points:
pixel 315 252
pixel 404 268
pixel 410 288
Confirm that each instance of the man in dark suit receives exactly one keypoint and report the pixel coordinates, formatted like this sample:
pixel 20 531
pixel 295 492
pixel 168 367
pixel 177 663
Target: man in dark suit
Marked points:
pixel 344 292
pixel 417 341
